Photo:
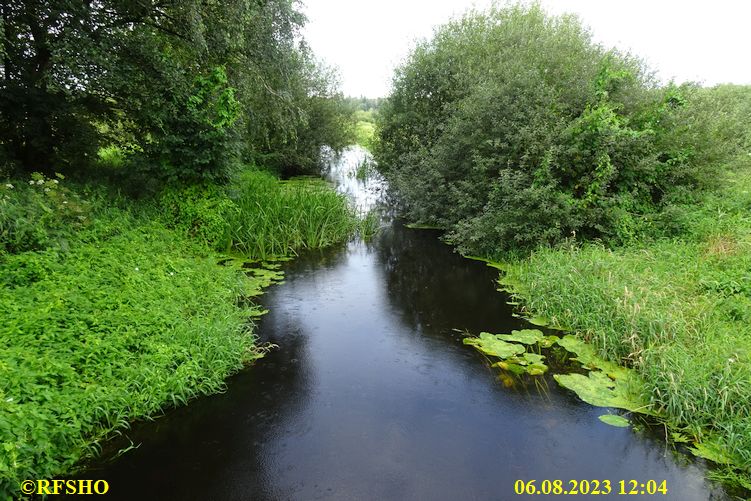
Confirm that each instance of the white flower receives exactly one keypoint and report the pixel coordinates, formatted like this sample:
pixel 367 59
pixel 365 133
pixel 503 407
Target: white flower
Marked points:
pixel 136 268
pixel 9 399
pixel 46 190
pixel 9 186
pixel 65 201
pixel 171 273
pixel 31 182
pixel 56 181
pixel 41 181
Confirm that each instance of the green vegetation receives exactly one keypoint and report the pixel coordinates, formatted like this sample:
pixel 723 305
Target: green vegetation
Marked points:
pixel 365 116
pixel 189 90
pixel 365 133
pixel 605 385
pixel 619 206
pixel 132 214
pixel 677 310
pixel 261 217
pixel 111 316
pixel 511 129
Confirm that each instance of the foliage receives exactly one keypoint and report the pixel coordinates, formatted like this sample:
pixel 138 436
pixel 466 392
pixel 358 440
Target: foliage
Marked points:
pixel 675 310
pixel 511 128
pixel 124 320
pixel 38 211
pixel 200 211
pixel 365 133
pixel 260 216
pixel 188 88
pixel 191 135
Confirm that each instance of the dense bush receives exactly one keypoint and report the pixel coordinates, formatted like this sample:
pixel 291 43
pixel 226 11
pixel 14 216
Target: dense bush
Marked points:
pixel 512 128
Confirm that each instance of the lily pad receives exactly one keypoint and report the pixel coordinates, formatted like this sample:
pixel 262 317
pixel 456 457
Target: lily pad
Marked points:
pixel 511 367
pixel 615 420
pixel 588 357
pixel 491 344
pixel 524 336
pixel 538 321
pixel 533 358
pixel 601 391
pixel 537 369
pixel 548 341
pixel 527 363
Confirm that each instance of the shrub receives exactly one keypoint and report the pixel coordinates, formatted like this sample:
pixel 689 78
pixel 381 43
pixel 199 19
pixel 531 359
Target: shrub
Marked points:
pixel 201 211
pixel 512 128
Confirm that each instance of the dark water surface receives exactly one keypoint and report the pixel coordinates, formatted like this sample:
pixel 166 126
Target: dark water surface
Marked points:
pixel 372 396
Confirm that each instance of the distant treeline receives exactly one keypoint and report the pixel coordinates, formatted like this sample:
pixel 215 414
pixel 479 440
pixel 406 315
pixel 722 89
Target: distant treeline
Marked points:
pixel 187 89
pixel 363 103
pixel 511 128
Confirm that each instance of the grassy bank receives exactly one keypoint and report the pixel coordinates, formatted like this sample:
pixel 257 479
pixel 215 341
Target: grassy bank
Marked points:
pixel 114 310
pixel 260 216
pixel 677 310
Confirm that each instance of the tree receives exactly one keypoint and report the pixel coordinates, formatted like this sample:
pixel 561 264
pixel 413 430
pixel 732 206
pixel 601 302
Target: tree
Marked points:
pixel 188 85
pixel 512 128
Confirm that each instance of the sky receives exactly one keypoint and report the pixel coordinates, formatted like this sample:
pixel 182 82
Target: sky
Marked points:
pixel 705 41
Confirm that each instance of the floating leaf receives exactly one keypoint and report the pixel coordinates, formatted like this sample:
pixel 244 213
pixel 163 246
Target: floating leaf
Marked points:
pixel 537 369
pixel 588 357
pixel 615 420
pixel 538 321
pixel 599 390
pixel 511 367
pixel 533 358
pixel 548 341
pixel 491 344
pixel 524 336
pixel 527 363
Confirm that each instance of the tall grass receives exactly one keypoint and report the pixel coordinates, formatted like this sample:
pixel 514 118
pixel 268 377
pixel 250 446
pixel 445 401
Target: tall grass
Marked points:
pixel 279 218
pixel 260 216
pixel 679 311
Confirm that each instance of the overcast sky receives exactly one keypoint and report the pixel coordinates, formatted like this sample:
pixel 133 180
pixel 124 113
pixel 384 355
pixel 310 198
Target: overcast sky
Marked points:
pixel 707 41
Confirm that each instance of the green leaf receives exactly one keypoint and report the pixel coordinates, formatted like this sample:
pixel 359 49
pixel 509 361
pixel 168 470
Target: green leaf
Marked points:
pixel 524 336
pixel 588 357
pixel 538 321
pixel 492 345
pixel 549 341
pixel 601 391
pixel 615 420
pixel 711 450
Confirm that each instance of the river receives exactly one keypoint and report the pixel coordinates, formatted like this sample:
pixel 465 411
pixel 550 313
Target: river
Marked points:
pixel 371 395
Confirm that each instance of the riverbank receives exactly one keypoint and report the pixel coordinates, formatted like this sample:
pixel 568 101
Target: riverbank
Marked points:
pixel 676 310
pixel 116 309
